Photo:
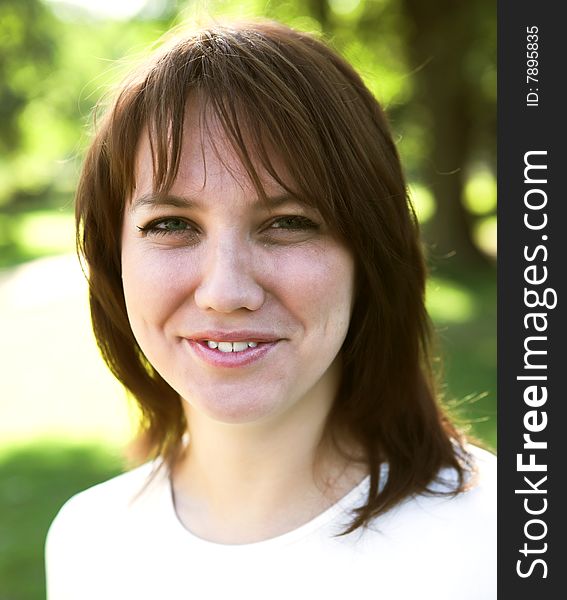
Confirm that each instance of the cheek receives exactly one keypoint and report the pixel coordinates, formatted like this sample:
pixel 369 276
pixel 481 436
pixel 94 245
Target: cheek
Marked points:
pixel 155 284
pixel 318 287
pixel 335 299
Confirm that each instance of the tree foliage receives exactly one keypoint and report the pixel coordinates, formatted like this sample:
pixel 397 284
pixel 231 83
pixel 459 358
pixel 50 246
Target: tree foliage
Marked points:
pixel 27 51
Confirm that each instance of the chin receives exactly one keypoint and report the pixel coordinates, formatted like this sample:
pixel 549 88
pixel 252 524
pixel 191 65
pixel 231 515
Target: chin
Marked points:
pixel 233 411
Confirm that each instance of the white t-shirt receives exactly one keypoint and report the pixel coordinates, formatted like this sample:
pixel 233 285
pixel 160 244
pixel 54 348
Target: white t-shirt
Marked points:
pixel 105 544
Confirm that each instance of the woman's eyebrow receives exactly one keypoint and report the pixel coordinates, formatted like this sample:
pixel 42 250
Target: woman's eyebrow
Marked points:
pixel 154 200
pixel 273 202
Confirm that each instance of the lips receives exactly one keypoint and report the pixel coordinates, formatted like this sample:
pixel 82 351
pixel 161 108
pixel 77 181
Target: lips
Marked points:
pixel 234 336
pixel 231 349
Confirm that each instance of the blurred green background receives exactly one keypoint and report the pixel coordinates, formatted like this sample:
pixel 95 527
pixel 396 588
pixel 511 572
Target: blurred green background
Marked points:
pixel 63 419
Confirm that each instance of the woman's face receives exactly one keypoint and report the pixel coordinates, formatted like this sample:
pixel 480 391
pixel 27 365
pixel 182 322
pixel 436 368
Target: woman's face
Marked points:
pixel 241 307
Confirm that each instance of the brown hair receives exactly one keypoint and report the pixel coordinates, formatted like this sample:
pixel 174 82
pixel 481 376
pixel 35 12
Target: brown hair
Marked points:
pixel 274 87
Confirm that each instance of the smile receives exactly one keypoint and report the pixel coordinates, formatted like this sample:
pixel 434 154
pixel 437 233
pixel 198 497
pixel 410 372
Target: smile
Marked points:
pixel 225 354
pixel 230 346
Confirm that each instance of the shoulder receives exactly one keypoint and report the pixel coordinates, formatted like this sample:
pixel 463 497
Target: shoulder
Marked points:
pixel 440 516
pixel 448 540
pixel 479 496
pixel 104 499
pixel 480 470
pixel 485 464
pixel 484 460
pixel 481 482
pixel 100 529
pixel 89 523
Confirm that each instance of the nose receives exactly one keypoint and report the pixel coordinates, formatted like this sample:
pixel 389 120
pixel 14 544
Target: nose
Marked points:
pixel 228 281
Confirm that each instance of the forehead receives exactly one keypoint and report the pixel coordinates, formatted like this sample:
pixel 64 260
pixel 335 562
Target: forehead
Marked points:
pixel 209 159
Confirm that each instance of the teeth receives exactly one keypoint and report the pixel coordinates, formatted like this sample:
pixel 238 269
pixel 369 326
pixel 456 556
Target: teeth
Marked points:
pixel 231 346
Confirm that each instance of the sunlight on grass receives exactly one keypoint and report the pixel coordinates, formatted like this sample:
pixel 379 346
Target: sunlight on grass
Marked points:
pixel 54 382
pixel 45 232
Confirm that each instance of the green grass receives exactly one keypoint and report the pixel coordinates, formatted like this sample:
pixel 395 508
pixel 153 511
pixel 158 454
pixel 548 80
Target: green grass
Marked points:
pixel 36 479
pixel 54 382
pixel 464 311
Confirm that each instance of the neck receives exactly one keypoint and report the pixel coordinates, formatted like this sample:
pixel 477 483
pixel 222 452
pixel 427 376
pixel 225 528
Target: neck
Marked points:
pixel 239 483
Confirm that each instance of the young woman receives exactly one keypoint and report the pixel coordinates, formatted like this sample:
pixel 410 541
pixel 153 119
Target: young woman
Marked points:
pixel 257 284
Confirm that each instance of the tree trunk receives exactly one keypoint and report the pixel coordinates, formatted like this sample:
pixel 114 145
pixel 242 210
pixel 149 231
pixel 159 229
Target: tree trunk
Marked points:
pixel 439 35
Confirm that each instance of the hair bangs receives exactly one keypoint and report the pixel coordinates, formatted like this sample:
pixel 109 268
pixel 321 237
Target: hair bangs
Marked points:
pixel 273 128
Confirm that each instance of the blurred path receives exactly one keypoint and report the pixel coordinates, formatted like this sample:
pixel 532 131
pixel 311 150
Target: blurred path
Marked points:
pixel 52 380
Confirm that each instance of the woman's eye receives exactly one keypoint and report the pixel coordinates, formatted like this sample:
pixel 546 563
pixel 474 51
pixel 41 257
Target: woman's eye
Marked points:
pixel 293 223
pixel 172 226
